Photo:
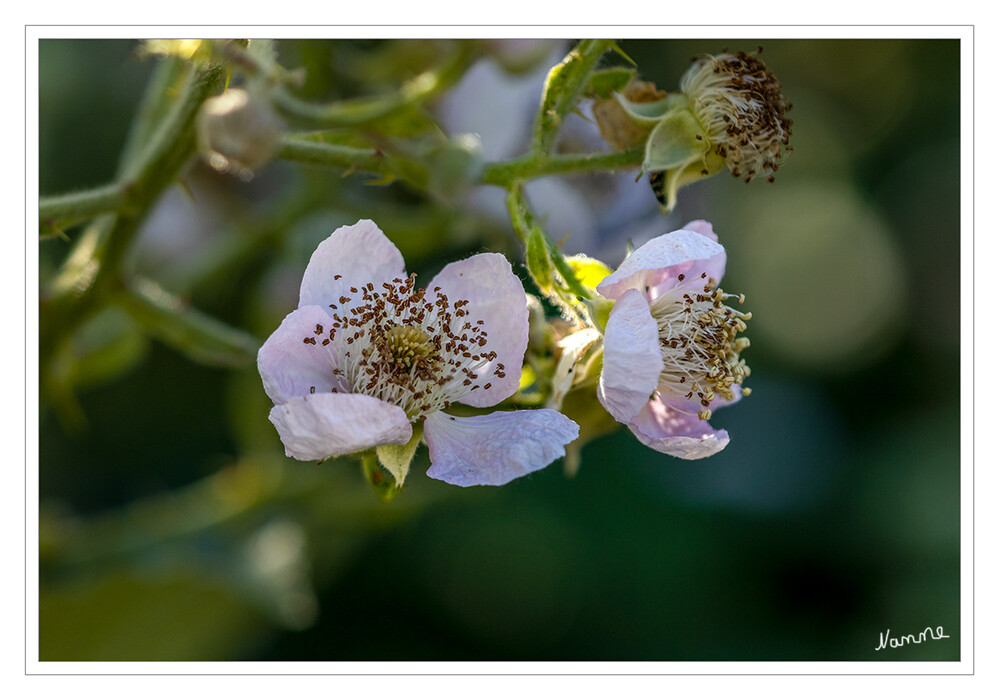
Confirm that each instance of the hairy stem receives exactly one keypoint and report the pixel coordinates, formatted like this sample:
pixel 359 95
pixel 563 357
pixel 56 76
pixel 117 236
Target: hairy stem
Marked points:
pixel 563 86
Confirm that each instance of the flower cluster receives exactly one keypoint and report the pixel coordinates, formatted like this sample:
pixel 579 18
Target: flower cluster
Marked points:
pixel 372 364
pixel 367 355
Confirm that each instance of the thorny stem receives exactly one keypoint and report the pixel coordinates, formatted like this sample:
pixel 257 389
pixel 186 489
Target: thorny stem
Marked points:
pixel 83 205
pixel 302 150
pixel 523 222
pixel 533 165
pixel 92 272
pixel 563 86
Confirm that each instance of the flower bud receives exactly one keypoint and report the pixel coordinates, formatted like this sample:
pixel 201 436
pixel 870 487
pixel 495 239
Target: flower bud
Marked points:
pixel 238 133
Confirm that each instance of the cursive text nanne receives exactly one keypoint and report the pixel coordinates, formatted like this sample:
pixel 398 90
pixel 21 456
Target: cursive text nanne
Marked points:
pixel 894 642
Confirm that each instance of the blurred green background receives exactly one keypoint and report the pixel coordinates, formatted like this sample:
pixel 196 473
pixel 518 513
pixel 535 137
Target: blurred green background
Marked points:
pixel 173 528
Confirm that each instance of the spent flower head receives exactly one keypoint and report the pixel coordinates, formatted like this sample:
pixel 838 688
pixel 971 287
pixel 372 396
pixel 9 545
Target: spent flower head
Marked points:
pixel 730 112
pixel 672 343
pixel 367 355
pixel 739 102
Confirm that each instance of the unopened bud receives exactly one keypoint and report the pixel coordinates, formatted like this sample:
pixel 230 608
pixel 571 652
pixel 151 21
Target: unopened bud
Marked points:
pixel 238 133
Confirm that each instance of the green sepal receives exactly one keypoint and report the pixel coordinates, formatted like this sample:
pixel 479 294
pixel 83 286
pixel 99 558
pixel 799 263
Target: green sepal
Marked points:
pixel 396 458
pixel 678 153
pixel 674 143
pixel 381 481
pixel 539 264
pixel 603 83
pixel 651 112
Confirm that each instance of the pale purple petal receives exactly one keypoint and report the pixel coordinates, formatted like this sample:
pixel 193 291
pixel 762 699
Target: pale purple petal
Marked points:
pixel 498 300
pixel 290 367
pixel 359 254
pixel 317 426
pixel 681 252
pixel 632 357
pixel 702 227
pixel 495 449
pixel 678 434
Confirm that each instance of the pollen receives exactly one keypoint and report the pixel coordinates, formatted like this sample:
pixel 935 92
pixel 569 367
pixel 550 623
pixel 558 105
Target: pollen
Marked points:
pixel 701 343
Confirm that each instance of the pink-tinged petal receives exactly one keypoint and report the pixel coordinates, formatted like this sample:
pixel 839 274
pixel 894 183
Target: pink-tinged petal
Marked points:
pixel 678 434
pixel 632 357
pixel 702 227
pixel 495 449
pixel 291 367
pixel 328 425
pixel 497 298
pixel 358 254
pixel 665 257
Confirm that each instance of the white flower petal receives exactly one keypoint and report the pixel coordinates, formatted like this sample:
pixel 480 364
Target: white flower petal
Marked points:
pixel 358 254
pixel 290 367
pixel 666 256
pixel 497 298
pixel 317 426
pixel 497 448
pixel 678 434
pixel 632 358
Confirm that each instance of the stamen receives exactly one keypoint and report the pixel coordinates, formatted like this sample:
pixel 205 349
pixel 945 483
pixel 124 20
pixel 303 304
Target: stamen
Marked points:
pixel 405 350
pixel 700 342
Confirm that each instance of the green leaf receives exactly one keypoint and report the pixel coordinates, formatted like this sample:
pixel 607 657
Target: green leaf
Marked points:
pixel 538 262
pixel 609 80
pixel 397 458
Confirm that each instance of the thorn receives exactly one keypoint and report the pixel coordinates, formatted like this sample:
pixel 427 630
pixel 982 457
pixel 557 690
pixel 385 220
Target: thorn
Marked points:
pixel 187 188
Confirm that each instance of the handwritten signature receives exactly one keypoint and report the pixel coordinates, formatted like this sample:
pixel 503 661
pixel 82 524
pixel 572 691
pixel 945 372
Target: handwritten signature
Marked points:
pixel 894 642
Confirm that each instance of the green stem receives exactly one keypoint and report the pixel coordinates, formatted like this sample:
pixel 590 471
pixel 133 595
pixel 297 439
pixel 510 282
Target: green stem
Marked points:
pixel 355 112
pixel 524 221
pixel 534 165
pixel 91 273
pixel 563 86
pixel 202 338
pixel 159 95
pixel 85 204
pixel 350 157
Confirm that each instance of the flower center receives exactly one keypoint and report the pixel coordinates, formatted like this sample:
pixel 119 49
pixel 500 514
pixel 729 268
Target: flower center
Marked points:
pixel 409 345
pixel 400 346
pixel 700 342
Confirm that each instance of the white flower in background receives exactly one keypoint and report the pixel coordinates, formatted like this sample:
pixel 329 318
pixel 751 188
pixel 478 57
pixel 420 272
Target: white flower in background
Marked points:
pixel 592 213
pixel 367 355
